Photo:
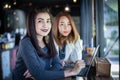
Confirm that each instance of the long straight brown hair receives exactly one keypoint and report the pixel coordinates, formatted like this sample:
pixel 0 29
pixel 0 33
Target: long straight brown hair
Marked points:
pixel 72 37
pixel 31 33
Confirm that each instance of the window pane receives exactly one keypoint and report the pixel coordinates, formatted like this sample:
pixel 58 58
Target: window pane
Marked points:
pixel 111 33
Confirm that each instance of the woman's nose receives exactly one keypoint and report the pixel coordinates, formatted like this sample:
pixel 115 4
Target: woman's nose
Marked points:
pixel 65 26
pixel 44 24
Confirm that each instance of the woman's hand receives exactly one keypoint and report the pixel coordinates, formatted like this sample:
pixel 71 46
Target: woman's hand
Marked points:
pixel 63 63
pixel 28 75
pixel 78 66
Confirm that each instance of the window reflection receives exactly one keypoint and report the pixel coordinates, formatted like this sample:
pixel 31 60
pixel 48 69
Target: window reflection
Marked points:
pixel 111 26
pixel 111 33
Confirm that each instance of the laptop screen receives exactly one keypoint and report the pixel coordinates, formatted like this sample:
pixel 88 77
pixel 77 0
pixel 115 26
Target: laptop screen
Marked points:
pixel 94 55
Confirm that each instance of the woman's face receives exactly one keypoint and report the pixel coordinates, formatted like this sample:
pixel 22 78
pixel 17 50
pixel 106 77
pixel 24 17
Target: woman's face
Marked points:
pixel 64 26
pixel 43 24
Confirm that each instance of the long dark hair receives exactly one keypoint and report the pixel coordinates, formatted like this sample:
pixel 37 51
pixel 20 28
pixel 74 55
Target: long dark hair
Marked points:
pixel 31 33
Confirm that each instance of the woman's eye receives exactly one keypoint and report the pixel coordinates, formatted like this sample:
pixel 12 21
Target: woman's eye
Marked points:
pixel 62 24
pixel 48 21
pixel 39 21
pixel 69 24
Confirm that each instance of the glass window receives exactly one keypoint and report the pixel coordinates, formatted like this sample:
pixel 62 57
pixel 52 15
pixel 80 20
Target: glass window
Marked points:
pixel 111 35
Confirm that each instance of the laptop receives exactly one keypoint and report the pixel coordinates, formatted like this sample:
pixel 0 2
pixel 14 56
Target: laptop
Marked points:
pixel 84 72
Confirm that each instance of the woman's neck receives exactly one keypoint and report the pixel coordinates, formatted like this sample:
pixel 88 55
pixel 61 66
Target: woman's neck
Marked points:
pixel 62 45
pixel 40 41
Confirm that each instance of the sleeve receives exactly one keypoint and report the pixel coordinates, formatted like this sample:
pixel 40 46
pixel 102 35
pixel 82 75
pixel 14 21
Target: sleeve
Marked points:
pixel 56 63
pixel 76 53
pixel 33 64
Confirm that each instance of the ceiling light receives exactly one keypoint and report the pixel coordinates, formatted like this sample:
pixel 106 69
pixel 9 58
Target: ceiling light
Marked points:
pixel 67 8
pixel 14 3
pixel 74 1
pixel 6 5
pixel 9 6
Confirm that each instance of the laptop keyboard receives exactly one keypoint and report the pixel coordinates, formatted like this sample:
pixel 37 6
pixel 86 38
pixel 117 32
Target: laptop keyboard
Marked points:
pixel 83 72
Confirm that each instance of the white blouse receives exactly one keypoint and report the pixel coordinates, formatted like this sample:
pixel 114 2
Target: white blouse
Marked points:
pixel 73 52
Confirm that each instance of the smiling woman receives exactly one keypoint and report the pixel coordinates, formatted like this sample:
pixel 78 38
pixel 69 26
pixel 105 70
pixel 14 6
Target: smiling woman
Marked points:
pixel 37 53
pixel 43 24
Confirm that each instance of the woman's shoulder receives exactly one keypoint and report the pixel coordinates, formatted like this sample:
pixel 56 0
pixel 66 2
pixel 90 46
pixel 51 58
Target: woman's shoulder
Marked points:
pixel 79 40
pixel 76 42
pixel 26 43
pixel 73 44
pixel 25 40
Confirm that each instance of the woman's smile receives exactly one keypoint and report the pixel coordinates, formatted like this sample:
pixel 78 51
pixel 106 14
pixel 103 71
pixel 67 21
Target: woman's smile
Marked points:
pixel 65 32
pixel 44 30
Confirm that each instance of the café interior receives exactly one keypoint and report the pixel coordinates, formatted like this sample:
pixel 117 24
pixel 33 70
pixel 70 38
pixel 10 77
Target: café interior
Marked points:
pixel 97 22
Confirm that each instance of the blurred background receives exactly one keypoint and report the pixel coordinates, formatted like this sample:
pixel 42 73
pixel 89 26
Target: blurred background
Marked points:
pixel 97 22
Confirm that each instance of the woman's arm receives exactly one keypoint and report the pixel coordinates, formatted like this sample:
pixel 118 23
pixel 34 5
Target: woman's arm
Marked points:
pixel 77 68
pixel 56 64
pixel 35 66
pixel 69 72
pixel 76 53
